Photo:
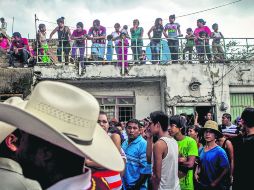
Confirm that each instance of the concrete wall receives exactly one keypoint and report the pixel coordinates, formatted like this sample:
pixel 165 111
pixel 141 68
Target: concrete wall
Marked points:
pixel 213 83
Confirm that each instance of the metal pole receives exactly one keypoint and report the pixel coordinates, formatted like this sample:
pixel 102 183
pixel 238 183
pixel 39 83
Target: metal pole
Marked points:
pixel 122 57
pixel 36 37
pixel 12 25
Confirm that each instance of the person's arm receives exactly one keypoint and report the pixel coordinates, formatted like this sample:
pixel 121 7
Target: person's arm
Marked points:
pixel 196 118
pixel 186 163
pixel 157 163
pixel 231 159
pixel 149 148
pixel 229 135
pixel 221 35
pixel 117 141
pixel 179 31
pixel 52 33
pixel 142 33
pixel 165 32
pixel 149 32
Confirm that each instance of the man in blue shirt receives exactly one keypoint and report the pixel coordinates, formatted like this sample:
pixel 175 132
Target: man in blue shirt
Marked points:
pixel 137 169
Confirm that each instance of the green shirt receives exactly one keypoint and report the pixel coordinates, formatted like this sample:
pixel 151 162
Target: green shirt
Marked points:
pixel 187 147
pixel 136 36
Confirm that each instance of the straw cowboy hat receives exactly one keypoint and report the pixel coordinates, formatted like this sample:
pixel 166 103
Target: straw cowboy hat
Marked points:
pixel 213 126
pixel 66 116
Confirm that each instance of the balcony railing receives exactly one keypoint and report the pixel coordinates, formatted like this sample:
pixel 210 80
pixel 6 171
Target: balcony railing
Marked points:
pixel 158 52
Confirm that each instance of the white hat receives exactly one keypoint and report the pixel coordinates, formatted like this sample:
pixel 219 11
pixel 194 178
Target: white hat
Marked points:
pixel 6 129
pixel 66 116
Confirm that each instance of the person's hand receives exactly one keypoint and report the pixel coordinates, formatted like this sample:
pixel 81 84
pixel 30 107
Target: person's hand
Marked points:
pixel 213 184
pixel 196 114
pixel 196 177
pixel 231 179
pixel 182 159
pixel 148 132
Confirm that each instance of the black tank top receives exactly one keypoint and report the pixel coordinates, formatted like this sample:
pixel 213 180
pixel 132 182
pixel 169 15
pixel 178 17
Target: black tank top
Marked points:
pixel 157 33
pixel 63 35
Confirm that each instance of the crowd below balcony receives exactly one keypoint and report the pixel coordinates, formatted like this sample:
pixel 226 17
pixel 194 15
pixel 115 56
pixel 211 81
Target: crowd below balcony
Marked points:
pixel 103 45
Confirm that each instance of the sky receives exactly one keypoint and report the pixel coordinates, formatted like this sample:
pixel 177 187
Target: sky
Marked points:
pixel 234 20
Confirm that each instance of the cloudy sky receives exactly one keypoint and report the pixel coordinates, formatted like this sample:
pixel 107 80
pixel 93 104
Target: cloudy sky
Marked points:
pixel 234 20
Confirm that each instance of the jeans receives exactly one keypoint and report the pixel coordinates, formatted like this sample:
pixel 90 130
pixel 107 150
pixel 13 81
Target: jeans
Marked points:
pixel 98 51
pixel 22 55
pixel 202 50
pixel 174 49
pixel 65 49
pixel 81 48
pixel 188 49
pixel 136 51
pixel 155 49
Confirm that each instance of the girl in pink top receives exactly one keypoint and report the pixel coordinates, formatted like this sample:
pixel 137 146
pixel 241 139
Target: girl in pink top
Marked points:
pixel 205 49
pixel 4 43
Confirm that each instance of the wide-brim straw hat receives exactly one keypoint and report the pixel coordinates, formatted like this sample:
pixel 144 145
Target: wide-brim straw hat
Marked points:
pixel 212 125
pixel 66 116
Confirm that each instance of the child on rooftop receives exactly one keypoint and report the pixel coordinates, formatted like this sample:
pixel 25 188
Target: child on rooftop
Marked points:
pixel 110 49
pixel 216 45
pixel 189 44
pixel 123 51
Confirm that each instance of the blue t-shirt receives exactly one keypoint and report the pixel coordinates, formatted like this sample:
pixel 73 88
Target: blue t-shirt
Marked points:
pixel 109 50
pixel 136 163
pixel 212 164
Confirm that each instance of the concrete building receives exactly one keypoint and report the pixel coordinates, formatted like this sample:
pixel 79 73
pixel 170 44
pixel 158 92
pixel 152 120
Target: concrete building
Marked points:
pixel 174 88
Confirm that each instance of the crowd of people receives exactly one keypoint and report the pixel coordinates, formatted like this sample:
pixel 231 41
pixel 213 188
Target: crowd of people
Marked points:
pixel 105 44
pixel 49 144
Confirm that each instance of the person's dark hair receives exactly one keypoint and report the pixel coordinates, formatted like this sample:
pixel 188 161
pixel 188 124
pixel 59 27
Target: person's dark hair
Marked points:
pixel 160 117
pixel 195 128
pixel 60 20
pixel 109 37
pixel 2 19
pixel 201 21
pixel 201 33
pixel 41 26
pixel 136 21
pixel 16 34
pixel 125 27
pixel 80 24
pixel 133 121
pixel 97 22
pixel 248 117
pixel 117 25
pixel 227 115
pixel 215 25
pixel 5 151
pixel 157 22
pixel 189 30
pixel 48 171
pixel 178 121
pixel 172 16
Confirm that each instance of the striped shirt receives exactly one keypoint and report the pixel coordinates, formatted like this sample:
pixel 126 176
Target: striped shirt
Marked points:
pixel 232 129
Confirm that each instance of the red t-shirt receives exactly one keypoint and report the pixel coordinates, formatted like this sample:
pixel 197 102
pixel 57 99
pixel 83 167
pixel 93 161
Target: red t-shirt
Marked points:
pixel 21 43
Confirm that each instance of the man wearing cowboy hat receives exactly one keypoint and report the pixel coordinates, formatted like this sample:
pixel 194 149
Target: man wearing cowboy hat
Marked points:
pixel 59 132
pixel 11 174
pixel 214 164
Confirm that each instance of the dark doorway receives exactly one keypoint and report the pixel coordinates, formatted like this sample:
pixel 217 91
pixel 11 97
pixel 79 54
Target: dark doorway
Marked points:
pixel 202 111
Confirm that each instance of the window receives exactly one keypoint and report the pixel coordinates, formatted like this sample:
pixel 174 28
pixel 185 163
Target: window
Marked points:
pixel 121 108
pixel 238 102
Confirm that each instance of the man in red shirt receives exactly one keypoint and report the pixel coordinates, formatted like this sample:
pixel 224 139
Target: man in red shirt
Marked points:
pixel 19 50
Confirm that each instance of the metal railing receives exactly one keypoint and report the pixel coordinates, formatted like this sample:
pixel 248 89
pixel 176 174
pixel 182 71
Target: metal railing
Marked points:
pixel 159 52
